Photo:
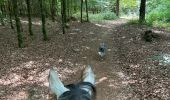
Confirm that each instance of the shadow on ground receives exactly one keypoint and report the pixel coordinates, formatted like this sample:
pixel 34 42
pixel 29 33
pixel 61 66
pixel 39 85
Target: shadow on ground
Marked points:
pixel 126 73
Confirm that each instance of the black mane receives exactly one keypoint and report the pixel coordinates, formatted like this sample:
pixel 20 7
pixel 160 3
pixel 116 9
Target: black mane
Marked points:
pixel 77 93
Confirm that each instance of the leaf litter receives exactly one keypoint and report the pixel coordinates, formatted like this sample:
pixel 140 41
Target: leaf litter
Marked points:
pixel 126 73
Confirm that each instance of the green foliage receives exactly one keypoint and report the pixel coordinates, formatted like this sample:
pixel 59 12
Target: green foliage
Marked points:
pixel 162 24
pixel 158 12
pixel 95 17
pixel 133 21
pixel 98 17
pixel 136 21
pixel 128 3
pixel 101 5
pixel 109 15
pixel 128 7
pixel 2 18
pixel 2 1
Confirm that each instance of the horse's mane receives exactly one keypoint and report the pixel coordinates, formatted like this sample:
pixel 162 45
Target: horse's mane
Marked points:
pixel 77 93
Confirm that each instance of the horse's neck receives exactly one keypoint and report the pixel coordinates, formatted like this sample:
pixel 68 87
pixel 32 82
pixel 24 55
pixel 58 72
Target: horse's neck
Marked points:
pixel 77 92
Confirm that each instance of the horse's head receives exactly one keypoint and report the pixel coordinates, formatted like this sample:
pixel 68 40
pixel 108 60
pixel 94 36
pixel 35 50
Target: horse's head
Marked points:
pixel 83 90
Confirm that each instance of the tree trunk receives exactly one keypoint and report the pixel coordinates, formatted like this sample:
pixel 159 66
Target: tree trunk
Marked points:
pixel 117 8
pixel 63 13
pixel 43 20
pixel 2 16
pixel 81 11
pixel 53 10
pixel 2 20
pixel 75 7
pixel 20 7
pixel 87 16
pixel 29 17
pixel 18 25
pixel 3 9
pixel 68 9
pixel 142 11
pixel 71 8
pixel 10 14
pixel 57 8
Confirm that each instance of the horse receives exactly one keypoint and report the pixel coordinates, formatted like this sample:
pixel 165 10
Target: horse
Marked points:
pixel 83 90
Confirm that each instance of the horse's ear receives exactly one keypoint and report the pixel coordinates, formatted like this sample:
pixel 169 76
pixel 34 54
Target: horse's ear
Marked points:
pixel 88 75
pixel 55 83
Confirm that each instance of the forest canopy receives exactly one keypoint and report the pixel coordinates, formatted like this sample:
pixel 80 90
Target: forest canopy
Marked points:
pixel 150 12
pixel 157 11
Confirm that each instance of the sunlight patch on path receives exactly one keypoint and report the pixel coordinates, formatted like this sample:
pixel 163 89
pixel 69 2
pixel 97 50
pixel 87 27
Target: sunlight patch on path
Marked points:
pixel 76 30
pixel 12 78
pixel 91 33
pixel 163 59
pixel 29 72
pixel 101 80
pixel 72 33
pixel 120 74
pixel 124 78
pixel 112 23
pixel 34 23
pixel 22 95
pixel 86 47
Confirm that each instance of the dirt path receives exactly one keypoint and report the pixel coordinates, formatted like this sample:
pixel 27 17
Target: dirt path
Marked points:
pixel 109 76
pixel 124 74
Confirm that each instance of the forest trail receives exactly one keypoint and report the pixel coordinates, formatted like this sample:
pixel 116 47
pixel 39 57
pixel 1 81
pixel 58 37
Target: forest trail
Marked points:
pixel 109 75
pixel 126 73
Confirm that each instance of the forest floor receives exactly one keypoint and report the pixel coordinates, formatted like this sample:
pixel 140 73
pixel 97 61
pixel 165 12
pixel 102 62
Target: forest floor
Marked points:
pixel 127 72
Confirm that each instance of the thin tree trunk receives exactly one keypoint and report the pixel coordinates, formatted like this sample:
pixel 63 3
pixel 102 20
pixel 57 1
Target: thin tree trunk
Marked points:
pixel 43 20
pixel 19 7
pixel 71 8
pixel 5 10
pixel 19 12
pixel 57 8
pixel 63 13
pixel 117 8
pixel 142 11
pixel 68 8
pixel 10 14
pixel 2 16
pixel 29 17
pixel 87 16
pixel 53 10
pixel 2 20
pixel 19 34
pixel 81 11
pixel 75 7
